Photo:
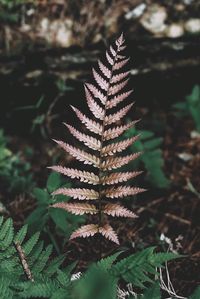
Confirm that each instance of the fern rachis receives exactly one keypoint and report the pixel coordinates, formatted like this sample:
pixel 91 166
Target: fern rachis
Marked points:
pixel 102 97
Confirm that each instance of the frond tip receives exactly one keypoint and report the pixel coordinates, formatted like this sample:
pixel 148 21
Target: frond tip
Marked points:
pixel 105 99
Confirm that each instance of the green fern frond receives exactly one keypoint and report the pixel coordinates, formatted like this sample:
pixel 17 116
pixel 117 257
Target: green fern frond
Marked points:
pixel 107 262
pixel 196 294
pixel 137 268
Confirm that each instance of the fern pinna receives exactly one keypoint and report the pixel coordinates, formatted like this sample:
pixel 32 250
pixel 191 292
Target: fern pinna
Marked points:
pixel 107 93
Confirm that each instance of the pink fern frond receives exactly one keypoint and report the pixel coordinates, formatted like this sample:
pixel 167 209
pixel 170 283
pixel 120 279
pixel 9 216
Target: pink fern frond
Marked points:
pixel 91 125
pixel 117 210
pixel 112 118
pixel 97 111
pixel 76 208
pixel 109 59
pixel 120 41
pixel 121 191
pixel 80 155
pixel 120 64
pixel 107 73
pixel 78 193
pixel 96 93
pixel 106 93
pixel 117 131
pixel 103 84
pixel 117 87
pixel 121 56
pixel 118 147
pixel 108 232
pixel 89 141
pixel 119 177
pixel 112 51
pixel 118 99
pixel 114 163
pixel 119 77
pixel 85 231
pixel 83 176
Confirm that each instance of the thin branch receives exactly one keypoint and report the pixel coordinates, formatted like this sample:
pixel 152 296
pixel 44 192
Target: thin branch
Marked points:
pixel 24 262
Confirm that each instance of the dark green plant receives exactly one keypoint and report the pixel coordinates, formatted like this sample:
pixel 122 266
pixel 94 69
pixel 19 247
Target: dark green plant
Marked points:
pixel 196 294
pixel 191 106
pixel 152 157
pixel 138 269
pixel 41 217
pixel 15 173
pixel 27 270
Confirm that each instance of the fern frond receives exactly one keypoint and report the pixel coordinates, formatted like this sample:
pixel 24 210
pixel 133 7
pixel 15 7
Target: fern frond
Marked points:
pixel 118 99
pixel 80 155
pixel 97 111
pixel 121 191
pixel 119 77
pixel 109 59
pixel 24 261
pixel 108 232
pixel 83 176
pixel 118 210
pixel 89 141
pixel 96 92
pixel 77 193
pixel 117 131
pixel 120 64
pixel 119 177
pixel 112 51
pixel 106 72
pixel 118 147
pixel 91 125
pixel 113 163
pixel 112 118
pixel 76 208
pixel 138 267
pixel 107 91
pixel 85 231
pixel 117 87
pixel 103 84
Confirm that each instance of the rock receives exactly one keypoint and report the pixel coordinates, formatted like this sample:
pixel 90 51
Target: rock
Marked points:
pixel 136 12
pixel 195 135
pixel 57 32
pixel 154 18
pixel 193 26
pixel 185 157
pixel 174 30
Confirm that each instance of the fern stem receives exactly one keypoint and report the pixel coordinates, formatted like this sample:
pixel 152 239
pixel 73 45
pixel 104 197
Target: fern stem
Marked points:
pixel 53 240
pixel 101 173
pixel 24 262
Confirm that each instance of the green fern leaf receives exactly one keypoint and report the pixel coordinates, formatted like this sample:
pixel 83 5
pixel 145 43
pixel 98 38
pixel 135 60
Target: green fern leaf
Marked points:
pixel 28 247
pixel 20 236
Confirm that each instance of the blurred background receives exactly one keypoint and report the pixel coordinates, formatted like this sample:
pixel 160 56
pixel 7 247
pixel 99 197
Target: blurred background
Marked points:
pixel 47 50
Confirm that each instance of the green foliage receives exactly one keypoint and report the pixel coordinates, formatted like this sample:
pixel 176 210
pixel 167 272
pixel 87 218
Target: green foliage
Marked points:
pixel 196 294
pixel 98 282
pixel 191 106
pixel 40 218
pixel 152 158
pixel 8 13
pixel 14 172
pixel 48 280
pixel 10 4
pixel 36 255
pixel 138 268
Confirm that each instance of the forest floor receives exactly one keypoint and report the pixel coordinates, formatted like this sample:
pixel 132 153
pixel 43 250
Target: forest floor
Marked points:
pixel 37 45
pixel 167 219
